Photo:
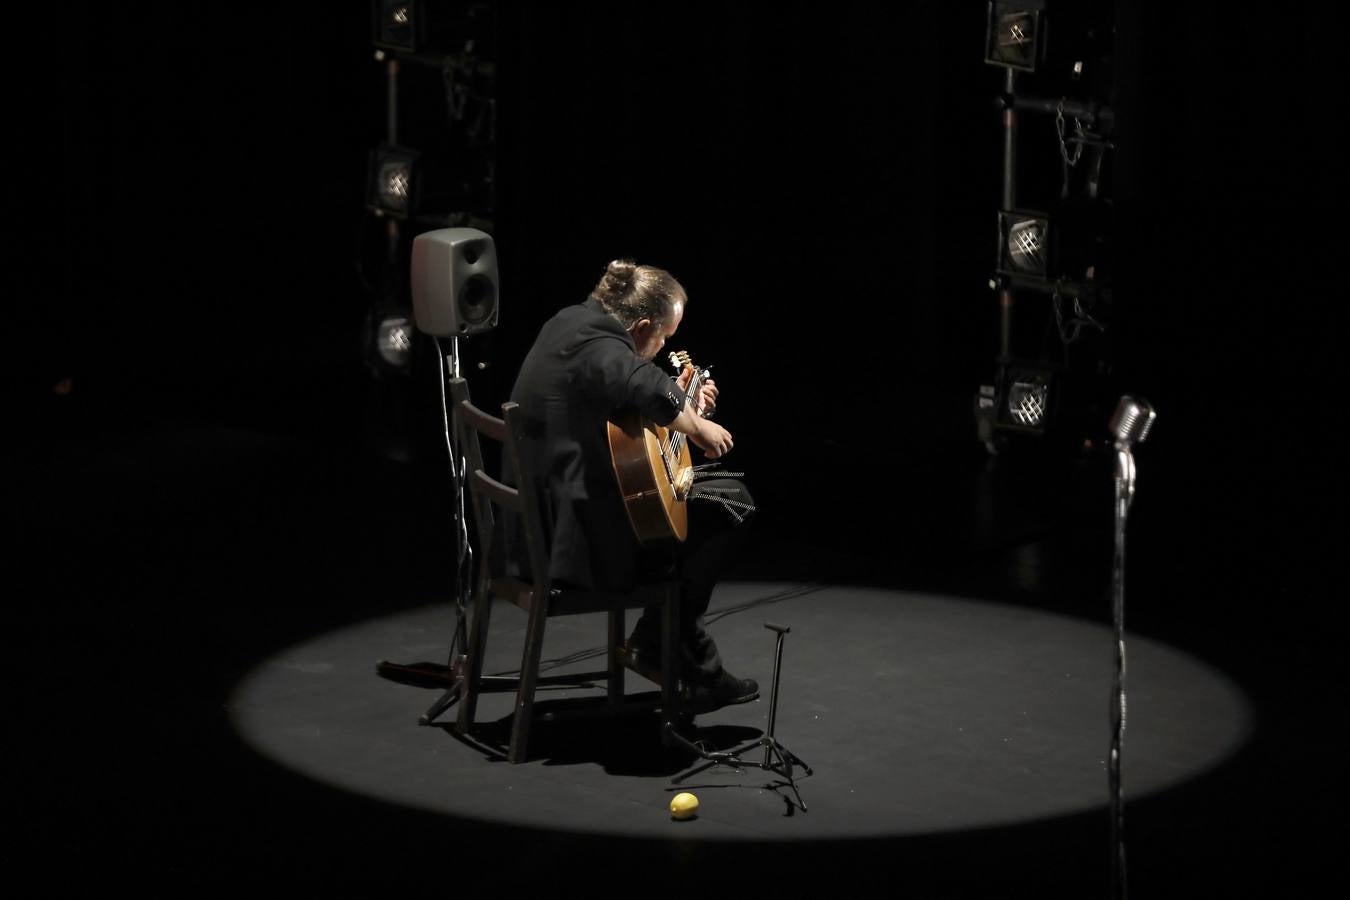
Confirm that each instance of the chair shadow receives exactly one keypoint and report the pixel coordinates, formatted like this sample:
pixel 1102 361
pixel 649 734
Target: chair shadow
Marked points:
pixel 581 731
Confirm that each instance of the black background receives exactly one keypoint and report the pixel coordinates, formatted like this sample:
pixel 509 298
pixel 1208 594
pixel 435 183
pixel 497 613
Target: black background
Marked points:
pixel 824 180
pixel 825 184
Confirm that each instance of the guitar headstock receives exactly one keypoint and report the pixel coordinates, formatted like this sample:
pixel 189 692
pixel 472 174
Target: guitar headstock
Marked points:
pixel 679 359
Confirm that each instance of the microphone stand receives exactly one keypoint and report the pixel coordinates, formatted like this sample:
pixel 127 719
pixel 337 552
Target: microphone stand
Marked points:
pixel 1130 423
pixel 454 672
pixel 777 758
pixel 1124 494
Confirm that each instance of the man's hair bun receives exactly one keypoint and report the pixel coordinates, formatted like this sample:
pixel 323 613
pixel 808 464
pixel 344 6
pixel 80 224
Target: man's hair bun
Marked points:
pixel 631 292
pixel 620 274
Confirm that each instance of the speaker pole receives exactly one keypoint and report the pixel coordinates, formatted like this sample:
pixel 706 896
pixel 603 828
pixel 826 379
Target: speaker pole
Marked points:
pixel 451 675
pixel 455 667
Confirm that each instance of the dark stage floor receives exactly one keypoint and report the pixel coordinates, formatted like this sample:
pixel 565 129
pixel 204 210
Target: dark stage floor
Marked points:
pixel 196 610
pixel 919 714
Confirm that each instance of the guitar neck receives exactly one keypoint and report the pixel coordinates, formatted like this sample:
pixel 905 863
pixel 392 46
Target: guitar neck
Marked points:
pixel 695 385
pixel 681 359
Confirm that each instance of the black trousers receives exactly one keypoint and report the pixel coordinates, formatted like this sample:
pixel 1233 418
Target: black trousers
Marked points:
pixel 715 539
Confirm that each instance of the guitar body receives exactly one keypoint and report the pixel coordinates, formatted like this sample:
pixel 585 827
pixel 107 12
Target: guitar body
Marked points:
pixel 653 494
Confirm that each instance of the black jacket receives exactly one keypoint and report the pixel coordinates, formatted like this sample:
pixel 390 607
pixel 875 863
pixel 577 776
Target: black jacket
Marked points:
pixel 582 371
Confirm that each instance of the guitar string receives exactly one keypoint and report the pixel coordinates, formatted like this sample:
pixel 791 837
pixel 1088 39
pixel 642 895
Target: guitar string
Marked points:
pixel 676 443
pixel 674 446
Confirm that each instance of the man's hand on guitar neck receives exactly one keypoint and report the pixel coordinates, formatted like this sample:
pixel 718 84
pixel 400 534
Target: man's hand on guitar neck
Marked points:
pixel 706 401
pixel 711 438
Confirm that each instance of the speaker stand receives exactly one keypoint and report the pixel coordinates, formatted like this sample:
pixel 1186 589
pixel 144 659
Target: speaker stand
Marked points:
pixel 451 675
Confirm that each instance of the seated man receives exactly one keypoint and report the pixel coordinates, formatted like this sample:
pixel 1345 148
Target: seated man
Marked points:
pixel 590 363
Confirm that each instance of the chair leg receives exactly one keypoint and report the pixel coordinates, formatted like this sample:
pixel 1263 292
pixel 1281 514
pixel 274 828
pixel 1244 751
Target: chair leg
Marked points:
pixel 529 673
pixel 616 639
pixel 473 678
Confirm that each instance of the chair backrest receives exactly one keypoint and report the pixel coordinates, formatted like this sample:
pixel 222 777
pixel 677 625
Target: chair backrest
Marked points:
pixel 491 497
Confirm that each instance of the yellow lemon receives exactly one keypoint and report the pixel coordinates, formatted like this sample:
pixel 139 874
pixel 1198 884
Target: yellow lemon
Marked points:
pixel 683 806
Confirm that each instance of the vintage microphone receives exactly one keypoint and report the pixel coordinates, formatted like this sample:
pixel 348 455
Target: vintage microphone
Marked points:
pixel 1129 425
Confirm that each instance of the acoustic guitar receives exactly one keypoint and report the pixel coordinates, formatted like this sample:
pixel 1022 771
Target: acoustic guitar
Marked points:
pixel 654 469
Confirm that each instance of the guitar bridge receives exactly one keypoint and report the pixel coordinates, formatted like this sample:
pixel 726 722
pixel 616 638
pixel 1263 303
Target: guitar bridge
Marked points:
pixel 684 483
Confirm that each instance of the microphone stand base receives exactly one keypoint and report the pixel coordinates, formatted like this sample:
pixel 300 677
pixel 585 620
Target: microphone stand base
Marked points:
pixel 777 759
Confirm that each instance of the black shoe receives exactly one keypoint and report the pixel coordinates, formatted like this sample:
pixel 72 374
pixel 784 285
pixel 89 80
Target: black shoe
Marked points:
pixel 724 689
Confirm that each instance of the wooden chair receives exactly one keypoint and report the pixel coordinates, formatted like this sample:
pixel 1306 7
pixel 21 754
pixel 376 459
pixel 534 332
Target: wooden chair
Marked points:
pixel 537 596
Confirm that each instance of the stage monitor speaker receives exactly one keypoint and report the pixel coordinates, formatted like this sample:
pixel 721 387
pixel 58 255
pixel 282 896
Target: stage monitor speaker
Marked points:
pixel 454 282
